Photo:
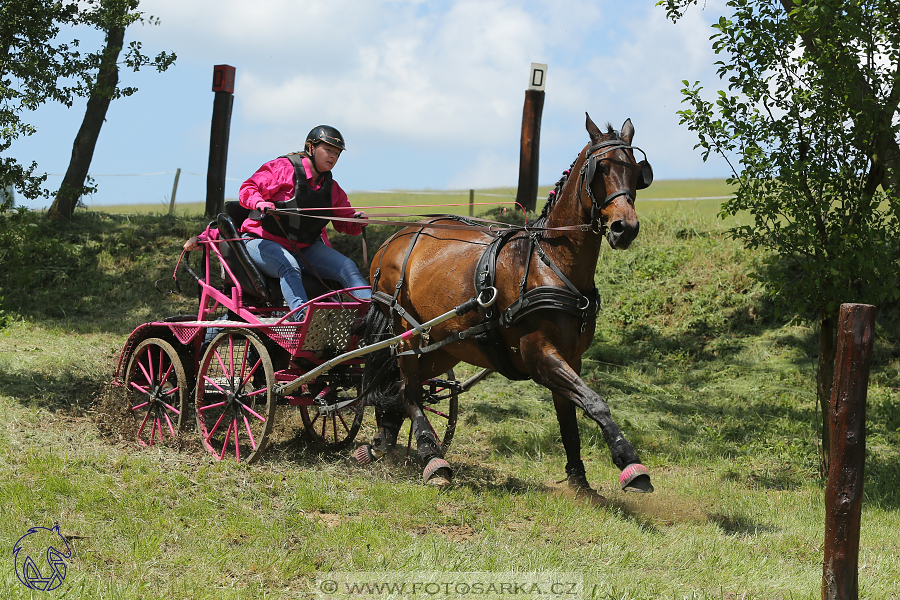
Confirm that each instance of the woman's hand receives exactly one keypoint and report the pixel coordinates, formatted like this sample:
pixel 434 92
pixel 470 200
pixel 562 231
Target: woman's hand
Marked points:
pixel 192 244
pixel 360 215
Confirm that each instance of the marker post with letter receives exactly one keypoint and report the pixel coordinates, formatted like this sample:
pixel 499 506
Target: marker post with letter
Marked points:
pixel 530 142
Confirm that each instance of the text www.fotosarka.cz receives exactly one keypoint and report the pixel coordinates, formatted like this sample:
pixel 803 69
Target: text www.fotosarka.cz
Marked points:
pixel 481 585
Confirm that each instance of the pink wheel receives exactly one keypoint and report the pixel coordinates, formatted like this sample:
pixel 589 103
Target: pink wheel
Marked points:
pixel 157 391
pixel 234 399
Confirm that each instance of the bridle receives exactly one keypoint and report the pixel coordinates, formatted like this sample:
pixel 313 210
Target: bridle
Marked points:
pixel 596 153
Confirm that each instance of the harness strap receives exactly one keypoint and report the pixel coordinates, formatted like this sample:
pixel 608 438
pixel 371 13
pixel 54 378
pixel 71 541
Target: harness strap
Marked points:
pixel 549 297
pixel 395 308
pixel 568 299
pixel 459 335
pixel 546 260
pixel 486 267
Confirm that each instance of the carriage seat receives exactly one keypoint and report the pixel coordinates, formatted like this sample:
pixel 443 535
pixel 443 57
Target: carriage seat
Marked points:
pixel 251 280
pixel 254 282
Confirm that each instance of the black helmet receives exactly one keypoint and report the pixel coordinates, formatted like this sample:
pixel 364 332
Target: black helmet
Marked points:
pixel 327 134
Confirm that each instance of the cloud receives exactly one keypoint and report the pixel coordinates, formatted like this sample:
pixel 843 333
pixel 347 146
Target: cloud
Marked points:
pixel 428 94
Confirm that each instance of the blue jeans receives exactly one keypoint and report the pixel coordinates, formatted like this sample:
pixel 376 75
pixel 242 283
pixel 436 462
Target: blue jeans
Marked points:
pixel 275 260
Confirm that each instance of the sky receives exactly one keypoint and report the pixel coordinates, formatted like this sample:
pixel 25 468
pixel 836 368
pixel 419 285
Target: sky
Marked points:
pixel 428 94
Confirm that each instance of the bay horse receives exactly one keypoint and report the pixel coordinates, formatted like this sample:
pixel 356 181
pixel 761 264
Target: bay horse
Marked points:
pixel 543 278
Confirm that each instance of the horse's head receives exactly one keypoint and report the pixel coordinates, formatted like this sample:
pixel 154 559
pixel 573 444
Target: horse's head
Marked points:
pixel 610 177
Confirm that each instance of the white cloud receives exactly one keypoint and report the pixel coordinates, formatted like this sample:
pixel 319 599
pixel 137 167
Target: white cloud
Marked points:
pixel 427 93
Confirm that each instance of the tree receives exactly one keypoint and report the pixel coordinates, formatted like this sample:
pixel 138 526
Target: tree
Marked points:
pixel 32 67
pixel 99 81
pixel 809 125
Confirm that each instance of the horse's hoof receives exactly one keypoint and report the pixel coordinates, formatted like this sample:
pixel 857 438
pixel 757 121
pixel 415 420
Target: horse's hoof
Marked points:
pixel 636 478
pixel 578 483
pixel 437 473
pixel 364 455
pixel 439 481
pixel 582 490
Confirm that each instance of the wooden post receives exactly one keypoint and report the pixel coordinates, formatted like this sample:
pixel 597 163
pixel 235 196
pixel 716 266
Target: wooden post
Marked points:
pixel 174 191
pixel 847 421
pixel 530 142
pixel 471 203
pixel 223 86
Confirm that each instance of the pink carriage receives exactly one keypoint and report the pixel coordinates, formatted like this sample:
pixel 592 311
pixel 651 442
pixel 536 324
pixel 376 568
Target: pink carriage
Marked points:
pixel 239 358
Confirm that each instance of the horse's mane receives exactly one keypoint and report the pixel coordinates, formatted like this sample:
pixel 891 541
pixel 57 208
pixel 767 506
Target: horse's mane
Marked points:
pixel 611 134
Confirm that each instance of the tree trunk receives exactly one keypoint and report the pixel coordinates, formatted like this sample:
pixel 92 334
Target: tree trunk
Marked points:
pixel 102 93
pixel 824 380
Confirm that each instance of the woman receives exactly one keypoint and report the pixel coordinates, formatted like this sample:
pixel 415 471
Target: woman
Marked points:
pixel 285 244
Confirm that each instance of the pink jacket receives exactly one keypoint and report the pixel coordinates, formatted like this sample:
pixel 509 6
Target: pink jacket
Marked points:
pixel 274 182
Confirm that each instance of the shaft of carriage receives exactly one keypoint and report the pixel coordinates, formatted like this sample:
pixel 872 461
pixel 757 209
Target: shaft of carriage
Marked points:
pixel 288 387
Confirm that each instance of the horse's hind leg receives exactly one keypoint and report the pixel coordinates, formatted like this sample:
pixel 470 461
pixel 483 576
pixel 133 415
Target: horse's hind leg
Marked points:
pixel 428 447
pixel 388 423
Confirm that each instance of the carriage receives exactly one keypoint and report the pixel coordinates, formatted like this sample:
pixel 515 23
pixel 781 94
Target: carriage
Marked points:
pixel 522 302
pixel 229 367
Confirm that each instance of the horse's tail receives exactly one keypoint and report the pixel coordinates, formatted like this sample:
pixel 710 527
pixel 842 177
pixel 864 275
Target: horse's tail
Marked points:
pixel 381 374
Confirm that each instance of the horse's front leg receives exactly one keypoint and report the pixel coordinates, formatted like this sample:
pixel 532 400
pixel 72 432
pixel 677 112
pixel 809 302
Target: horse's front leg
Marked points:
pixel 556 374
pixel 571 439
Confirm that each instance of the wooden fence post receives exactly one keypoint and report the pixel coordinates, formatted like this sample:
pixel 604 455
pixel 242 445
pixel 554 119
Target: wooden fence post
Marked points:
pixel 471 203
pixel 847 421
pixel 223 86
pixel 530 142
pixel 174 190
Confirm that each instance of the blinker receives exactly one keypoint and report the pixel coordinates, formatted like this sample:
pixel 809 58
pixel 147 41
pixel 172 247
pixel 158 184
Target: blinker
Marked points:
pixel 646 176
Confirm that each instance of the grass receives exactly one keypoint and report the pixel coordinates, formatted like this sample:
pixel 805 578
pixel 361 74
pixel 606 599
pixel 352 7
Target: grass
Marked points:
pixel 677 194
pixel 713 389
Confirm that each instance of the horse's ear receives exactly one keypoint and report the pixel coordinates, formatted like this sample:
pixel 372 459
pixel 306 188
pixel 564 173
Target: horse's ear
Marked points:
pixel 592 129
pixel 627 133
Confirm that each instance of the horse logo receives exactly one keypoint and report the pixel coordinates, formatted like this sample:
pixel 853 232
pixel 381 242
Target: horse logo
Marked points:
pixel 47 576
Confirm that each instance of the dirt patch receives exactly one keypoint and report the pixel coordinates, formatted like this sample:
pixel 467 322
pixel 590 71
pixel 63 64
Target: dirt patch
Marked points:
pixel 454 533
pixel 661 510
pixel 116 425
pixel 110 414
pixel 585 497
pixel 328 519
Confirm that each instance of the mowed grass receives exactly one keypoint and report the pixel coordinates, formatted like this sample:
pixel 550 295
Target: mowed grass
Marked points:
pixel 714 390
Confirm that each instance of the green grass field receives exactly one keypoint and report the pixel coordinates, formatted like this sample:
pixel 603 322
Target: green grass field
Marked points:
pixel 715 391
pixel 700 195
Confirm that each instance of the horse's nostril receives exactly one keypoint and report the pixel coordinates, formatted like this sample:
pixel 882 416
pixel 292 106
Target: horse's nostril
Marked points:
pixel 617 227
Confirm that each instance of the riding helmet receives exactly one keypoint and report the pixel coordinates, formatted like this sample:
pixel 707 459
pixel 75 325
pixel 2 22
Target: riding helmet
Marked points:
pixel 327 134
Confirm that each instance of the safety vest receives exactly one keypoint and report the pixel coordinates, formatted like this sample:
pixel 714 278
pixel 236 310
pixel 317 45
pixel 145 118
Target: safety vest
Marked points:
pixel 301 228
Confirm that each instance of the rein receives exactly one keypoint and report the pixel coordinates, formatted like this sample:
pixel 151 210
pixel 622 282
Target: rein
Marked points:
pixel 467 223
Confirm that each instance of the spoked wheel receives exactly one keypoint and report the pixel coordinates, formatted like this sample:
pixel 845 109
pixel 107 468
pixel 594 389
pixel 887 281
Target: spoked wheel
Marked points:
pixel 157 391
pixel 440 402
pixel 336 418
pixel 235 400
